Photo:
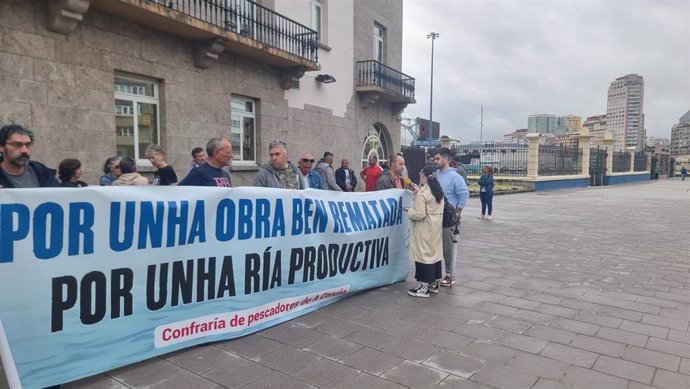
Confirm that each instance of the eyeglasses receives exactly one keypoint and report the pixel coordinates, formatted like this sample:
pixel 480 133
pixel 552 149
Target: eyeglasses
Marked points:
pixel 19 145
pixel 307 160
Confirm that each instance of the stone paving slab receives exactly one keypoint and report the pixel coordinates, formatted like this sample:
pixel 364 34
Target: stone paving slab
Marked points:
pixel 582 288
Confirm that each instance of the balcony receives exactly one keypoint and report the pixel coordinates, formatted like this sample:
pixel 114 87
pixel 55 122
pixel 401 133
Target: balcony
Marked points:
pixel 384 83
pixel 242 27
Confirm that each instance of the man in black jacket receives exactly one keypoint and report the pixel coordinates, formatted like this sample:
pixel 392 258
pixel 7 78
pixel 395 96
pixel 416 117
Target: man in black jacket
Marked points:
pixel 16 169
pixel 345 177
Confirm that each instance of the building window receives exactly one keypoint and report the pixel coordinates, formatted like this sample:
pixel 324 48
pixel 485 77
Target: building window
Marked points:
pixel 379 38
pixel 136 116
pixel 315 8
pixel 243 128
pixel 374 144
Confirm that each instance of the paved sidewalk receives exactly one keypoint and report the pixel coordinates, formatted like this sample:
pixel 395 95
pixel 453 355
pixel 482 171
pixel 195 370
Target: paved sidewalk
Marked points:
pixel 586 288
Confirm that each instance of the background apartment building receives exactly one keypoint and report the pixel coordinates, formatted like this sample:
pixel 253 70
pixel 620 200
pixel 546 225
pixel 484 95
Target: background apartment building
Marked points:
pixel 680 142
pixel 552 124
pixel 571 122
pixel 596 126
pixel 625 112
pixel 96 78
pixel 542 123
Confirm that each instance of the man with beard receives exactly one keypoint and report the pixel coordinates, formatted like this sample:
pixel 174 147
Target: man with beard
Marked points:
pixel 17 170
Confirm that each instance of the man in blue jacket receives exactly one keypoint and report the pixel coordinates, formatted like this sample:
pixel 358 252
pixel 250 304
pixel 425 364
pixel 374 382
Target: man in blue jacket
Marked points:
pixel 311 178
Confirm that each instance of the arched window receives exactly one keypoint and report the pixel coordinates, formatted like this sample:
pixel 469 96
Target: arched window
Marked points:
pixel 375 144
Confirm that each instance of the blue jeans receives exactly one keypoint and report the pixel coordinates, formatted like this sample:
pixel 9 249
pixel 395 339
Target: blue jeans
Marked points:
pixel 487 199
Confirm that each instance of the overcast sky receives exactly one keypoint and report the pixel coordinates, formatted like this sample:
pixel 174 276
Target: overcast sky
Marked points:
pixel 521 57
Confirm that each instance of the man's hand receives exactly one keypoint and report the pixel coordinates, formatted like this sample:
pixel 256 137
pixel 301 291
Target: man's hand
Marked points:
pixel 458 211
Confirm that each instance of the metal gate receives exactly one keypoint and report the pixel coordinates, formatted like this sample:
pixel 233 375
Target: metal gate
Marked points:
pixel 597 166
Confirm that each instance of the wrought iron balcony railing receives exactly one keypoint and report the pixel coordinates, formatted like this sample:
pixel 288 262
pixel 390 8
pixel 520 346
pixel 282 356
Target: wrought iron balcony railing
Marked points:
pixel 374 73
pixel 253 21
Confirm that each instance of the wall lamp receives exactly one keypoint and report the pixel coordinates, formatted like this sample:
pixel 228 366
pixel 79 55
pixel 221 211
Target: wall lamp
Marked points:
pixel 325 78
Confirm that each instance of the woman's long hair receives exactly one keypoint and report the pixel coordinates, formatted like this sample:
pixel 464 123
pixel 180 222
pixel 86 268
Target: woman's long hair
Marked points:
pixel 432 182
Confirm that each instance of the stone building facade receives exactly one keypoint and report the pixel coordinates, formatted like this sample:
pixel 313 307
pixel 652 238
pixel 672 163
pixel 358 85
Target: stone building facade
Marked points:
pixel 104 77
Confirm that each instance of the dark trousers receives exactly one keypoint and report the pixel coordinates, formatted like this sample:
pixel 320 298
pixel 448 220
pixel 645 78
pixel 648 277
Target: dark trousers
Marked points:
pixel 487 199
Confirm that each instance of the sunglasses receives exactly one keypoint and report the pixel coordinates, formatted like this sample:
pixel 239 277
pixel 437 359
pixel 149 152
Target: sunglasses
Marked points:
pixel 306 160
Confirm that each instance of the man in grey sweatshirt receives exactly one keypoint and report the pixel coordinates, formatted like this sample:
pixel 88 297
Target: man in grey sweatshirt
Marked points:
pixel 325 170
pixel 279 172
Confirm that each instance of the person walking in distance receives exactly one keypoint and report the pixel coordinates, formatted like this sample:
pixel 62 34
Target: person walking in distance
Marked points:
pixel 455 190
pixel 486 191
pixel 211 172
pixel 426 242
pixel 17 170
pixel 683 173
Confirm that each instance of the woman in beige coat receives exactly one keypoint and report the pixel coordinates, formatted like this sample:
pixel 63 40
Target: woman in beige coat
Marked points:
pixel 426 242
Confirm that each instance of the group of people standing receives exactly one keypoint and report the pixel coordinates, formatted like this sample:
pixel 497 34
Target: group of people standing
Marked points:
pixel 280 172
pixel 430 241
pixel 439 182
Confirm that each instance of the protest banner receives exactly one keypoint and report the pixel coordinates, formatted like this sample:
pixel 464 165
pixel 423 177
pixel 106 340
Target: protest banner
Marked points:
pixel 97 278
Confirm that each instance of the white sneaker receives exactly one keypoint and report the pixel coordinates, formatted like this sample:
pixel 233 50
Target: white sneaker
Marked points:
pixel 488 217
pixel 480 217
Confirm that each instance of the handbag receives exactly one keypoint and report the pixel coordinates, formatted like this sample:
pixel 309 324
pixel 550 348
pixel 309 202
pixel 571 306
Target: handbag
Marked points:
pixel 450 218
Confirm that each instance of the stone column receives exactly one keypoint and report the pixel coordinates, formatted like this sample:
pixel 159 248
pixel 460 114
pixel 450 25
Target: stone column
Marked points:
pixel 608 144
pixel 632 150
pixel 585 141
pixel 533 156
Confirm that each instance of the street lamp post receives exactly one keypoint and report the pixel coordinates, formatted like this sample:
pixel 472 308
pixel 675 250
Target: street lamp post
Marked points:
pixel 433 36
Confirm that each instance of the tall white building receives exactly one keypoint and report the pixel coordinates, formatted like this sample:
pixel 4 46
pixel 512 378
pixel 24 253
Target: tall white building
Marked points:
pixel 680 136
pixel 625 112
